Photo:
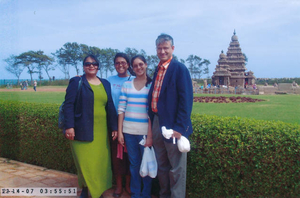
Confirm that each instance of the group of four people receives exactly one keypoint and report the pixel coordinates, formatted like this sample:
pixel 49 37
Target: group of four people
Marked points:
pixel 122 110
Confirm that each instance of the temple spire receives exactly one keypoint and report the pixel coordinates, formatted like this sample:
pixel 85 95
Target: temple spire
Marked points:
pixel 231 70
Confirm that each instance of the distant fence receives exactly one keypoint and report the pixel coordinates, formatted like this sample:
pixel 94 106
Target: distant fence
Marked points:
pixel 14 82
pixel 228 90
pixel 11 81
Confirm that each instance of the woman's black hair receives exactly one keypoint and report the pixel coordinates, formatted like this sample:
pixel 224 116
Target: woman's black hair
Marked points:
pixel 123 55
pixel 142 58
pixel 93 57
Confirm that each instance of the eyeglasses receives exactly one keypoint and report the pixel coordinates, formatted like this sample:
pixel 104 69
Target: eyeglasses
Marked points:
pixel 88 64
pixel 120 63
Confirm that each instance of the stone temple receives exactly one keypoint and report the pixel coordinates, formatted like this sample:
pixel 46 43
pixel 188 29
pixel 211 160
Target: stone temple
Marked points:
pixel 231 69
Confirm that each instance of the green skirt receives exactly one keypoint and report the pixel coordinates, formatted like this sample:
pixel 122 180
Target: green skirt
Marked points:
pixel 93 159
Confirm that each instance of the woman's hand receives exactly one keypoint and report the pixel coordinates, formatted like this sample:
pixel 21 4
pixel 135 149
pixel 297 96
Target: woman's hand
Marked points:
pixel 70 133
pixel 148 142
pixel 121 139
pixel 114 135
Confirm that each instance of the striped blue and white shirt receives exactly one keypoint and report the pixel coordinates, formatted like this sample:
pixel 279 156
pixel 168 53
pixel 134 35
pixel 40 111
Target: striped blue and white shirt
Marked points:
pixel 134 104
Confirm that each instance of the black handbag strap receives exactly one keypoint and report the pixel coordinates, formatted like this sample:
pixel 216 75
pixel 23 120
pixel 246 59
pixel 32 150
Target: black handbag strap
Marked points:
pixel 78 94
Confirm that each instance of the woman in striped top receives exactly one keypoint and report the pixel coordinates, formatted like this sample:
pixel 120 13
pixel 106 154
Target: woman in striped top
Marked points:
pixel 133 124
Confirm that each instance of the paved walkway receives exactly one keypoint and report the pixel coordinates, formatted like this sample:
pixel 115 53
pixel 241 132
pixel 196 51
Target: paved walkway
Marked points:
pixel 14 174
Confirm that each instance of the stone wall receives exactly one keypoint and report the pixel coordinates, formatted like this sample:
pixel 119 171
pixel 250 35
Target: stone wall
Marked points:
pixel 297 90
pixel 234 82
pixel 282 88
pixel 285 86
pixel 268 90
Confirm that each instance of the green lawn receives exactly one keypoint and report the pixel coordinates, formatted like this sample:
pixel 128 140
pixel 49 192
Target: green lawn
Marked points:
pixel 285 108
pixel 39 97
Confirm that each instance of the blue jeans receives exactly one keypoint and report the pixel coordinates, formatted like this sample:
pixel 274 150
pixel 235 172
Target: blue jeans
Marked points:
pixel 135 154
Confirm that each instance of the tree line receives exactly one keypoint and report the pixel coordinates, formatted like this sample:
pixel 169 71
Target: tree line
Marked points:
pixel 72 54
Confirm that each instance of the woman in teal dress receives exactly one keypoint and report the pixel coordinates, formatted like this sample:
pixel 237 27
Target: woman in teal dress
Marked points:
pixel 90 127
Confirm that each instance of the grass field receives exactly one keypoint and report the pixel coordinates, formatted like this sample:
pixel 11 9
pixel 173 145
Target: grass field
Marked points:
pixel 38 97
pixel 284 108
pixel 51 94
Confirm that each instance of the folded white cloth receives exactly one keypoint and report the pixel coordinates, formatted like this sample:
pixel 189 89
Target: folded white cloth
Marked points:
pixel 183 144
pixel 167 133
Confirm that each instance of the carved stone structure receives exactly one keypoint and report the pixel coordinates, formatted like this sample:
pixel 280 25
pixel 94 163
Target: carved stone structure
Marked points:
pixel 231 70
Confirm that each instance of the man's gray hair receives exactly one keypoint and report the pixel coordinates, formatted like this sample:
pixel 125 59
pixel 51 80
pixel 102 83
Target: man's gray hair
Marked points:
pixel 164 38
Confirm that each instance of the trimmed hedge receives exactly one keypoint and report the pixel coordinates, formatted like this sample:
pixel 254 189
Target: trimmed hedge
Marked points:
pixel 237 157
pixel 29 133
pixel 230 157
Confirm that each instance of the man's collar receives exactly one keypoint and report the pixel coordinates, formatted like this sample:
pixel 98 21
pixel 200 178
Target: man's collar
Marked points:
pixel 166 63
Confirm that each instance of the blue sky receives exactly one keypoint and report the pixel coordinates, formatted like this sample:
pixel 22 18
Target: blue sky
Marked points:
pixel 268 30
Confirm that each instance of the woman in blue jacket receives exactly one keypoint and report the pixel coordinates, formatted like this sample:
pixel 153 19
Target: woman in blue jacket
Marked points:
pixel 90 128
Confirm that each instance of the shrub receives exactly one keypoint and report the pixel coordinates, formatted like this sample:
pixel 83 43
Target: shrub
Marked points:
pixel 235 157
pixel 230 156
pixel 29 133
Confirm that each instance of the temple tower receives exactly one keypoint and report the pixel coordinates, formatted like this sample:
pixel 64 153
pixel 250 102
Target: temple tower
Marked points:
pixel 231 69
